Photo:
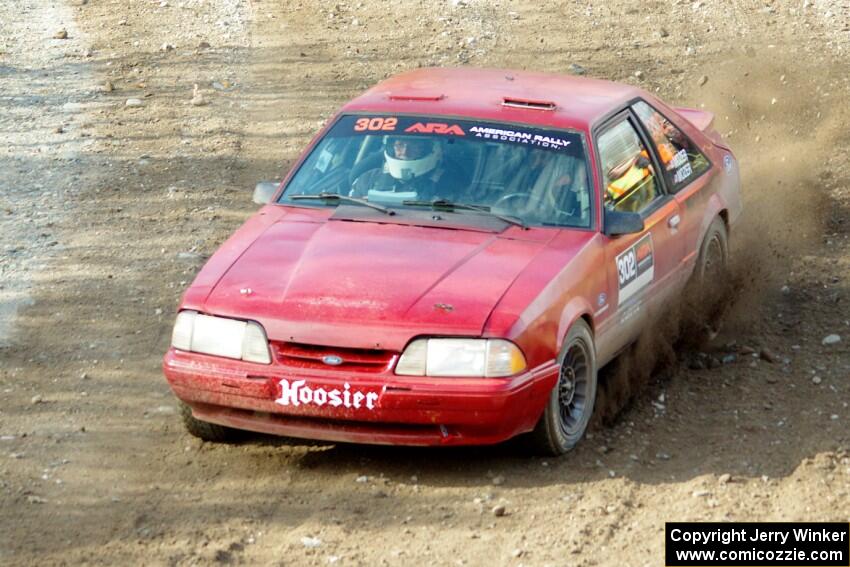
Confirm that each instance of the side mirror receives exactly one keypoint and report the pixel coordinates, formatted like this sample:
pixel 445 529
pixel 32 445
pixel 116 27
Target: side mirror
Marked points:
pixel 264 191
pixel 618 223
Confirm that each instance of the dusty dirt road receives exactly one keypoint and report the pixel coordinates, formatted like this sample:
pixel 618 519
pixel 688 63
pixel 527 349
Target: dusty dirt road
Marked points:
pixel 108 208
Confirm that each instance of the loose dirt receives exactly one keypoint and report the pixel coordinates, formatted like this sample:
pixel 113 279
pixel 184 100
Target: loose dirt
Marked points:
pixel 107 210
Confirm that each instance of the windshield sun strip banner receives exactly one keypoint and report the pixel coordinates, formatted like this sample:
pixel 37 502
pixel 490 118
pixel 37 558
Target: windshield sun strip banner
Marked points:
pixel 437 126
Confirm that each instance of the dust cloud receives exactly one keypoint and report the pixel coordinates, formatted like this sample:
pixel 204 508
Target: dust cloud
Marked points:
pixel 781 142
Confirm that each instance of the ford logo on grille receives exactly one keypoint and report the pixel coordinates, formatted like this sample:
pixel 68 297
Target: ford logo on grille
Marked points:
pixel 332 360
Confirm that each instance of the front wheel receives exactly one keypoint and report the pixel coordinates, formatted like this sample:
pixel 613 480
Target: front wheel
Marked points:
pixel 571 402
pixel 205 430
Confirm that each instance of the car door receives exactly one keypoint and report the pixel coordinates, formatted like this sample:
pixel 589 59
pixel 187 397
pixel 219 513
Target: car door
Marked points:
pixel 641 267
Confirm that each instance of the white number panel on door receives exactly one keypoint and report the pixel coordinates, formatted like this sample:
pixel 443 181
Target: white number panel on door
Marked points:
pixel 635 268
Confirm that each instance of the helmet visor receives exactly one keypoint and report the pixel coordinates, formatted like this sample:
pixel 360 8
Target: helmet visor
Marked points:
pixel 408 147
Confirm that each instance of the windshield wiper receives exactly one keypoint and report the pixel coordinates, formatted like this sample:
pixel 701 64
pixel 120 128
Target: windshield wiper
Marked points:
pixel 345 199
pixel 445 204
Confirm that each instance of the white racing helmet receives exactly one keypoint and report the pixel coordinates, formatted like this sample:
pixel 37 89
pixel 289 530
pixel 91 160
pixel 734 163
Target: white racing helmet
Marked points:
pixel 419 156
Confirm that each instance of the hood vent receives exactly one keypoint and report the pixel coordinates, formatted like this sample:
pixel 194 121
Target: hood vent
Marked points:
pixel 418 98
pixel 529 104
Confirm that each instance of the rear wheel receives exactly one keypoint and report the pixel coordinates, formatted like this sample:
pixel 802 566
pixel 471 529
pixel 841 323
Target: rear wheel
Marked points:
pixel 571 401
pixel 712 265
pixel 708 286
pixel 205 430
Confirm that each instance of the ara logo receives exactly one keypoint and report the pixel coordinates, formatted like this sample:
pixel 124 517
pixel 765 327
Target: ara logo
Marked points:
pixel 644 251
pixel 436 128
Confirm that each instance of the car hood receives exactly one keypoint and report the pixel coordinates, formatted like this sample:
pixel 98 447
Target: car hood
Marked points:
pixel 370 285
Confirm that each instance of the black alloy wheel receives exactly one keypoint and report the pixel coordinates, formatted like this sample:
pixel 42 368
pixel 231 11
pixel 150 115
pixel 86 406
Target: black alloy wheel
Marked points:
pixel 573 385
pixel 570 405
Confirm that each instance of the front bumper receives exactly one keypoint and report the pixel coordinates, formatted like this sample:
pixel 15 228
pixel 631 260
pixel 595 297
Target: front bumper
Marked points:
pixel 359 407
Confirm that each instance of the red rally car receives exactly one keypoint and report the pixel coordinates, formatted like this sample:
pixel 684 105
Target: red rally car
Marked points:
pixel 451 261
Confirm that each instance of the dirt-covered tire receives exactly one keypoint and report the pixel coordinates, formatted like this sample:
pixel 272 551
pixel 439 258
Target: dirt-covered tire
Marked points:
pixel 712 269
pixel 570 405
pixel 205 430
pixel 709 284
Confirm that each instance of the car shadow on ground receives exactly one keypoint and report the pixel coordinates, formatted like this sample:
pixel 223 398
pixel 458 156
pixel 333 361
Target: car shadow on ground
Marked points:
pixel 714 422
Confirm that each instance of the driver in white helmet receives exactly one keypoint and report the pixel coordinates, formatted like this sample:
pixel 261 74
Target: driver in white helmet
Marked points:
pixel 412 169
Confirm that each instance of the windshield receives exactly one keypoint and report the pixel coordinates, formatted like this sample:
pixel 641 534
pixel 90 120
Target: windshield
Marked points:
pixel 536 176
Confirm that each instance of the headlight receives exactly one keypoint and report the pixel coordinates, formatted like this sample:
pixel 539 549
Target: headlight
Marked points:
pixel 219 336
pixel 485 358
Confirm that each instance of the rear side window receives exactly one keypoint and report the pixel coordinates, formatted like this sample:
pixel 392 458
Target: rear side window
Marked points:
pixel 680 159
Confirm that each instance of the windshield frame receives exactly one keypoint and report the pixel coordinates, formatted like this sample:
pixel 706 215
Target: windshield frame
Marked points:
pixel 583 136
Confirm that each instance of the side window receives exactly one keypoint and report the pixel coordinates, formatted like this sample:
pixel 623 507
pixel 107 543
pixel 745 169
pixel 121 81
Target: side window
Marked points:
pixel 680 158
pixel 630 182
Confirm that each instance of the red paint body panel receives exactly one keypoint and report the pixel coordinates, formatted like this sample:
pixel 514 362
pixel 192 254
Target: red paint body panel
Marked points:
pixel 364 290
pixel 356 284
pixel 479 93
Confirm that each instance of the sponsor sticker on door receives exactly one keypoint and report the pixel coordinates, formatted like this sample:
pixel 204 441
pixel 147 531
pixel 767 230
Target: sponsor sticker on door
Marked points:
pixel 635 268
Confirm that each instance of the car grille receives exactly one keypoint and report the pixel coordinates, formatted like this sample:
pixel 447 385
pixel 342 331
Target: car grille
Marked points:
pixel 298 355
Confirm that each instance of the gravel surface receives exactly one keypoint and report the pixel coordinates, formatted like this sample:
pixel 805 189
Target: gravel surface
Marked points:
pixel 46 91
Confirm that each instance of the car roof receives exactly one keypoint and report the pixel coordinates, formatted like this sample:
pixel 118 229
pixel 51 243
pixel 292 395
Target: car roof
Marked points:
pixel 501 95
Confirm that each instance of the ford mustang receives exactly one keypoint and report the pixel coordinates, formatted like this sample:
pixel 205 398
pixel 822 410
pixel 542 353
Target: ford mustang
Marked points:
pixel 451 261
